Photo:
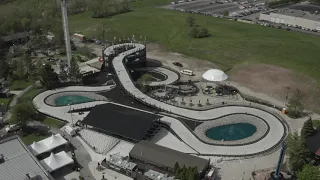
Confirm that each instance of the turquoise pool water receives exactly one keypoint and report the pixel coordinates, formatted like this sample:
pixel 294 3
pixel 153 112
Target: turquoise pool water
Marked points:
pixel 231 132
pixel 71 99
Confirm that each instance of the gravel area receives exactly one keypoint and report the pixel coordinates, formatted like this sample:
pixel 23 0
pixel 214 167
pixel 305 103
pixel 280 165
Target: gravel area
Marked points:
pixel 262 129
pixel 50 100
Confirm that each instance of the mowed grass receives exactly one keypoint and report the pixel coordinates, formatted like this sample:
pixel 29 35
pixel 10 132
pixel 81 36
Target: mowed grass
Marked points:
pixel 19 85
pixel 53 122
pixel 30 138
pixel 231 44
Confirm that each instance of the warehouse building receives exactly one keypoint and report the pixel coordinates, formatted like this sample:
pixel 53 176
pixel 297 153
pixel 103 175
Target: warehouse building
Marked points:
pixel 17 162
pixel 292 17
pixel 148 156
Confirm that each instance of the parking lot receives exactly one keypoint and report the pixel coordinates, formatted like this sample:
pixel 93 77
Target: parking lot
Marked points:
pixel 210 7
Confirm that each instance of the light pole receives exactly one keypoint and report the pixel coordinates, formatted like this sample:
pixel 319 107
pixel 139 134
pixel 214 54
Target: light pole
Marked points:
pixel 287 96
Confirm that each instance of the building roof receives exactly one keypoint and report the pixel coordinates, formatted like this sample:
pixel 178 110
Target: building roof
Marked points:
pixel 19 161
pixel 162 156
pixel 119 161
pixel 47 144
pixel 120 120
pixel 154 175
pixel 56 161
pixel 15 36
pixel 298 13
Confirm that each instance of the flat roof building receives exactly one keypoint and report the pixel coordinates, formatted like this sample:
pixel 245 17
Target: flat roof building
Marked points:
pixel 122 122
pixel 164 159
pixel 17 162
pixel 292 17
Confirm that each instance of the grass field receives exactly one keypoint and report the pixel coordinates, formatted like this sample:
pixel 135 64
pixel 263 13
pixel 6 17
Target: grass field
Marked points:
pixel 19 85
pixel 30 138
pixel 5 102
pixel 28 96
pixel 53 122
pixel 231 44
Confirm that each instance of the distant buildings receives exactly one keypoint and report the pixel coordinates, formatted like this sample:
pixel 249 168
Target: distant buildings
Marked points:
pixel 292 17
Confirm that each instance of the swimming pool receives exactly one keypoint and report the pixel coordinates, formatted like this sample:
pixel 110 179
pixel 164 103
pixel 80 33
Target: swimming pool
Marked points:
pixel 71 99
pixel 231 132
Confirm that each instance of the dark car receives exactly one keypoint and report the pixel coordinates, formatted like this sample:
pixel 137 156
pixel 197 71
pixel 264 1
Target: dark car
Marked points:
pixel 178 64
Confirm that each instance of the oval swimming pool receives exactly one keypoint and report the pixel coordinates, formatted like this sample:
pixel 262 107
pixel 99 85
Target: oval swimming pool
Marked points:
pixel 71 99
pixel 231 132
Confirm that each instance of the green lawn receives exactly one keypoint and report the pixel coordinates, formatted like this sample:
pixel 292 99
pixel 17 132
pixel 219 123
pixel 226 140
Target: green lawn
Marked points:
pixel 5 102
pixel 316 123
pixel 53 122
pixel 231 44
pixel 19 85
pixel 28 96
pixel 30 138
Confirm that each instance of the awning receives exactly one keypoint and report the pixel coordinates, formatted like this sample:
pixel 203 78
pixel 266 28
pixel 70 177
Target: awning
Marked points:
pixel 214 75
pixel 56 161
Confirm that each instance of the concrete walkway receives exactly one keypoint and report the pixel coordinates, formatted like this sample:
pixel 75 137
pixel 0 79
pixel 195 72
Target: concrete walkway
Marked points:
pixel 62 111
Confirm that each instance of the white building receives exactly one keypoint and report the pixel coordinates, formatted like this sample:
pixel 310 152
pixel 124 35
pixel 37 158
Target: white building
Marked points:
pixel 292 17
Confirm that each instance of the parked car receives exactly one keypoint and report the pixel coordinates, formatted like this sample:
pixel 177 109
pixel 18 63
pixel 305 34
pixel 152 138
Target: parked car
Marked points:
pixel 177 64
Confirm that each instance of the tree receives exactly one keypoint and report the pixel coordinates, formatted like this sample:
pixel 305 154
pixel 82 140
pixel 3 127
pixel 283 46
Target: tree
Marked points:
pixel 226 13
pixel 309 172
pixel 194 32
pixel 20 70
pixel 144 81
pixel 49 78
pixel 203 32
pixel 307 129
pixel 191 21
pixel 22 113
pixel 176 169
pixel 63 74
pixel 298 153
pixel 74 71
pixel 295 105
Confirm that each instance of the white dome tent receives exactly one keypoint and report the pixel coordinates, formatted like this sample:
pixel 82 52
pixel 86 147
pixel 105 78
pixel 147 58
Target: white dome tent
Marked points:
pixel 56 161
pixel 214 75
pixel 38 147
pixel 47 144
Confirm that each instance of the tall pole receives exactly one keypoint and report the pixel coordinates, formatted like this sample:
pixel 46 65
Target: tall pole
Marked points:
pixel 281 157
pixel 66 31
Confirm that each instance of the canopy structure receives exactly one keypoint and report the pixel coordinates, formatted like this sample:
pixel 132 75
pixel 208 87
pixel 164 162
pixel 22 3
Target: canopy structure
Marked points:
pixel 56 161
pixel 47 144
pixel 214 75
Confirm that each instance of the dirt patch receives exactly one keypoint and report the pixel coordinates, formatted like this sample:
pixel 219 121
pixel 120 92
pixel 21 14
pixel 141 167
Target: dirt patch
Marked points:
pixel 266 80
pixel 275 81
pixel 155 51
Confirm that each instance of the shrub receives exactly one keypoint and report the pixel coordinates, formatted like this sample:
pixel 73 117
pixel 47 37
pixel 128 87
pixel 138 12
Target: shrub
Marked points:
pixel 199 33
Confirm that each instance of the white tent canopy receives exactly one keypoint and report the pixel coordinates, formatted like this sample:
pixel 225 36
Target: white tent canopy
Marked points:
pixel 214 75
pixel 47 144
pixel 56 161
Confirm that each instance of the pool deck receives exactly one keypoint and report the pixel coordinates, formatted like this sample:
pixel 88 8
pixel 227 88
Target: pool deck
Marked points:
pixel 61 112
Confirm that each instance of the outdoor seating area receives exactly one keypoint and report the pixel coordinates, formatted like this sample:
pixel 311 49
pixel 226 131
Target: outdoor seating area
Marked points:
pixel 101 143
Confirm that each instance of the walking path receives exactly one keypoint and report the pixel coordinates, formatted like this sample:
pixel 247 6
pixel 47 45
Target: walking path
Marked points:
pixel 62 111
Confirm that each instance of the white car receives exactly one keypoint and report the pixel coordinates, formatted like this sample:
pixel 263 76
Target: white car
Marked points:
pixel 187 72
